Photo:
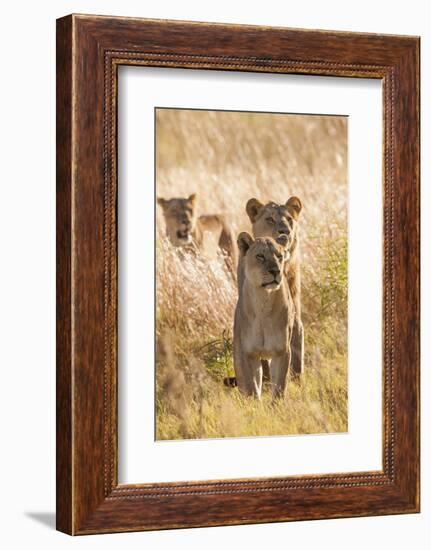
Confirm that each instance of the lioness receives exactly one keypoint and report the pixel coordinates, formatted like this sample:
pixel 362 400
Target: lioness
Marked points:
pixel 272 220
pixel 185 229
pixel 264 315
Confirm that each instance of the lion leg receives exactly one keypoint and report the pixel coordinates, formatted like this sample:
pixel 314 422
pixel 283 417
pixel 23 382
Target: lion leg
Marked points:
pixel 297 348
pixel 231 381
pixel 297 340
pixel 265 370
pixel 279 369
pixel 255 370
pixel 238 366
pixel 248 373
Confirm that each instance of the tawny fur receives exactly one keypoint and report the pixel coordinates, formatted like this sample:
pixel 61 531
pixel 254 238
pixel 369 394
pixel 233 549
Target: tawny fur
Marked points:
pixel 264 316
pixel 272 220
pixel 191 232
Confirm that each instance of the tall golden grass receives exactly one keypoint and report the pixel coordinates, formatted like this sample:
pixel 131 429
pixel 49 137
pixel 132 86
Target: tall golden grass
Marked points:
pixel 227 158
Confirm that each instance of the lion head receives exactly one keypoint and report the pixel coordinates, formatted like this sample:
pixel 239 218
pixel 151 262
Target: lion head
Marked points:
pixel 272 219
pixel 180 218
pixel 264 260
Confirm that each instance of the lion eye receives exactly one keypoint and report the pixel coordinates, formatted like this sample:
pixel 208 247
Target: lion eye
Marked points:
pixel 280 257
pixel 270 221
pixel 260 258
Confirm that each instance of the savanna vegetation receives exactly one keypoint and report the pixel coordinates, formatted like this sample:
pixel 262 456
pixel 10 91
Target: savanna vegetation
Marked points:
pixel 227 158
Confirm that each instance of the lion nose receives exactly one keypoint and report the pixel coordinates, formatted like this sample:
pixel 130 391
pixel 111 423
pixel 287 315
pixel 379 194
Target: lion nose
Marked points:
pixel 274 272
pixel 283 231
pixel 282 239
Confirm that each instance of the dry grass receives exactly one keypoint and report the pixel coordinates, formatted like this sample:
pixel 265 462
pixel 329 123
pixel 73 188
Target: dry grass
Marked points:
pixel 226 158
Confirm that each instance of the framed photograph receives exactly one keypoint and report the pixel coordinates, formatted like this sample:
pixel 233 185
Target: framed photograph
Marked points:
pixel 237 274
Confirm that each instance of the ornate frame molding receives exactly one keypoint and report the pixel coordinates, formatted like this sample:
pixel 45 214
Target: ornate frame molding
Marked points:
pixel 90 49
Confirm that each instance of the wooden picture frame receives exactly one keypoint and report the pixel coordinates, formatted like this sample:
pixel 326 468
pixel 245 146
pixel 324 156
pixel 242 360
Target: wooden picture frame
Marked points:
pixel 89 51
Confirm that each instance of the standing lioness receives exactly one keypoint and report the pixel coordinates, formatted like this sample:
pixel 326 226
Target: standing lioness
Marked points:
pixel 272 220
pixel 264 315
pixel 185 229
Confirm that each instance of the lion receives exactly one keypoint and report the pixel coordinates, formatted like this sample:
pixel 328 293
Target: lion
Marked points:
pixel 264 315
pixel 186 229
pixel 272 220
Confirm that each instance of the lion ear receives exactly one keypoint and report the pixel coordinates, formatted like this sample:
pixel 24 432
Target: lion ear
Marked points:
pixel 192 198
pixel 294 206
pixel 161 202
pixel 253 208
pixel 245 240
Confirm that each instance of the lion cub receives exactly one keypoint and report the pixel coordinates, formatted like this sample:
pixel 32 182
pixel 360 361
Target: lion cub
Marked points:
pixel 264 315
pixel 185 229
